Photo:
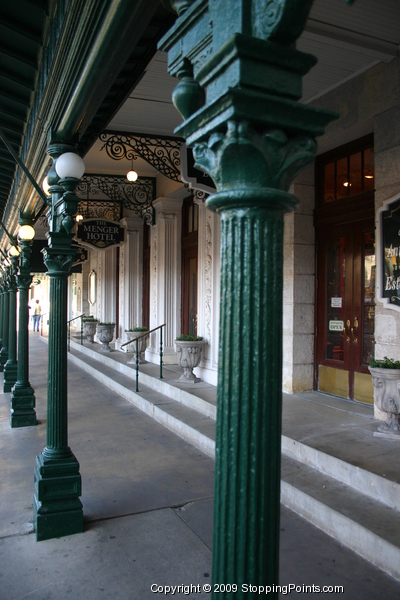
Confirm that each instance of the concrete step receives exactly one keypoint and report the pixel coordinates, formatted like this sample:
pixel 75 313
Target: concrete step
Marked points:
pixel 370 484
pixel 366 526
pixel 201 397
pixel 169 386
pixel 356 507
pixel 194 427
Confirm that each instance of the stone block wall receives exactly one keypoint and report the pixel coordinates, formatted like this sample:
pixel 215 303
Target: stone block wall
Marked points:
pixel 298 288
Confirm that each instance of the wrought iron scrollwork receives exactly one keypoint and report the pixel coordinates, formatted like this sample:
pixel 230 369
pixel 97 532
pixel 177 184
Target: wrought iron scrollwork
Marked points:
pixel 99 209
pixel 199 195
pixel 104 196
pixel 162 153
pixel 44 220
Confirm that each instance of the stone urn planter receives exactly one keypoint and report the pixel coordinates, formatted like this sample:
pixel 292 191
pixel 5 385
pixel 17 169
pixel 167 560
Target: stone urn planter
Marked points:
pixel 189 351
pixel 386 381
pixel 89 329
pixel 132 334
pixel 105 331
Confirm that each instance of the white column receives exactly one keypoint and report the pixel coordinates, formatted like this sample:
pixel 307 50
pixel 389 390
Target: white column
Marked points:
pixel 208 274
pixel 85 287
pixel 165 277
pixel 131 278
pixel 107 283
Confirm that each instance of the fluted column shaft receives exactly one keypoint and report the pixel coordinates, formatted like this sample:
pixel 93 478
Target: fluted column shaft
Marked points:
pixel 5 317
pixel 247 493
pixel 1 318
pixel 22 398
pixel 10 367
pixel 23 346
pixel 57 419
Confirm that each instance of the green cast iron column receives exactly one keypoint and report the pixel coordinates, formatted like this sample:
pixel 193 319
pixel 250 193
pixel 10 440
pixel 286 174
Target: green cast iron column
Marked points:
pixel 57 507
pixel 10 367
pixel 5 318
pixel 1 313
pixel 240 82
pixel 22 394
pixel 247 474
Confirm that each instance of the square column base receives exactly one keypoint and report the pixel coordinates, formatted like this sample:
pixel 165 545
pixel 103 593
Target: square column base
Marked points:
pixel 3 358
pixel 10 376
pixel 21 419
pixel 55 525
pixel 57 508
pixel 22 412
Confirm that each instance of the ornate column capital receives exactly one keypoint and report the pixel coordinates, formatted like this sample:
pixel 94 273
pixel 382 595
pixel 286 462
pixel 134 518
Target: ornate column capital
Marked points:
pixel 12 280
pixel 244 158
pixel 24 277
pixel 133 224
pixel 167 205
pixel 248 131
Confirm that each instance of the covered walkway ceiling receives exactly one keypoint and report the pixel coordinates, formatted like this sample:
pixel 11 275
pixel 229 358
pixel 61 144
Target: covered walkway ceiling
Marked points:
pixel 25 34
pixel 136 97
pixel 22 25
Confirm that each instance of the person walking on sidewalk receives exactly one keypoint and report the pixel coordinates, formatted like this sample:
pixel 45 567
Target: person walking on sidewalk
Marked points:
pixel 36 316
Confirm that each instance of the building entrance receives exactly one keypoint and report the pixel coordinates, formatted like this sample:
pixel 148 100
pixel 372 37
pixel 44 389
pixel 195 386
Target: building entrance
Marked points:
pixel 346 309
pixel 345 295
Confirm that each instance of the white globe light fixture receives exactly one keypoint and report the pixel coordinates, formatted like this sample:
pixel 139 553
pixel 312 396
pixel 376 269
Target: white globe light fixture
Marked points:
pixel 70 166
pixel 131 175
pixel 45 186
pixel 14 251
pixel 26 233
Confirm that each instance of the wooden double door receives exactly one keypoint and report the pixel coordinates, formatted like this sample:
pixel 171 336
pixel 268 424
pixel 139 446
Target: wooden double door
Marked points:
pixel 345 308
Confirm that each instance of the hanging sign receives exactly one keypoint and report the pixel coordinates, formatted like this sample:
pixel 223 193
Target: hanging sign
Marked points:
pixel 100 234
pixel 390 285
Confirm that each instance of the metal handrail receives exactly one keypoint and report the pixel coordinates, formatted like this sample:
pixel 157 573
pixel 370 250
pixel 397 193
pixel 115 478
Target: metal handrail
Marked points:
pixel 144 334
pixel 78 317
pixel 69 329
pixel 41 322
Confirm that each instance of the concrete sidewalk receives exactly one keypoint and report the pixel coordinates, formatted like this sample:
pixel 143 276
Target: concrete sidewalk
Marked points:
pixel 147 500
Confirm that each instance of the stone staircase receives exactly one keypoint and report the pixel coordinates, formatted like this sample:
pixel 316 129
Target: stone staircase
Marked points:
pixel 356 506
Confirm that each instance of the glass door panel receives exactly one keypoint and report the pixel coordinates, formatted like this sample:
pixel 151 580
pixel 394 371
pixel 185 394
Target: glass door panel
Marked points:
pixel 369 298
pixel 335 294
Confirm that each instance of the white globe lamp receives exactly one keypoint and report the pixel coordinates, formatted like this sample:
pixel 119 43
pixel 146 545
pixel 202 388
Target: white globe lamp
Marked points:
pixel 70 166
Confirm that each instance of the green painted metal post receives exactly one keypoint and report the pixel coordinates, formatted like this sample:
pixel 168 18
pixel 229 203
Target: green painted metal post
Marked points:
pixel 137 365
pixel 240 82
pixel 57 507
pixel 1 311
pixel 161 352
pixel 5 318
pixel 22 394
pixel 10 367
pixel 247 478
